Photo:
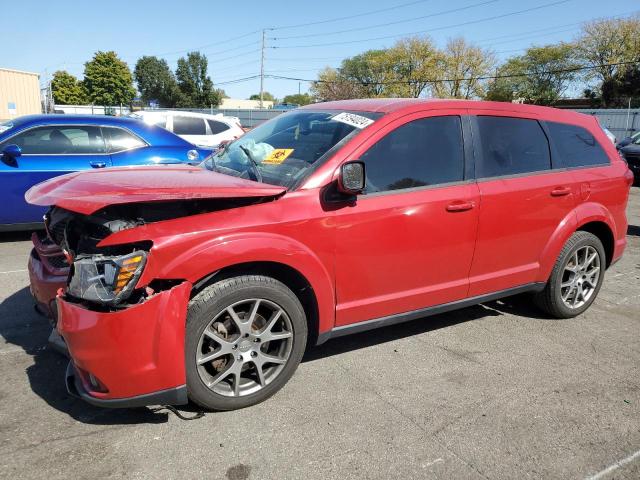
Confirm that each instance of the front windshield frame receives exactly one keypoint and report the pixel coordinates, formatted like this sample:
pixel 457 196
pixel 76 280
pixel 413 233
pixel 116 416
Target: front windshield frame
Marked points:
pixel 289 175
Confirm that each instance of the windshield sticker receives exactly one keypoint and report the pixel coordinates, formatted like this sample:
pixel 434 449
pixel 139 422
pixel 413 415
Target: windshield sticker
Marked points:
pixel 352 119
pixel 278 156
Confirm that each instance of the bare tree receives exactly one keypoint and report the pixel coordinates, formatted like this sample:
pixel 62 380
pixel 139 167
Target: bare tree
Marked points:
pixel 461 65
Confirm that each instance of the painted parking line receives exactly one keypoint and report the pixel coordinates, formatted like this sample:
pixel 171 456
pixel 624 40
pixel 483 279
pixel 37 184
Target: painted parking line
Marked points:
pixel 615 466
pixel 15 271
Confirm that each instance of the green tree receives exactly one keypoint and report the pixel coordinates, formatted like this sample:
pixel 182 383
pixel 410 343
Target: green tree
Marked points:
pixel 371 70
pixel 460 70
pixel 413 61
pixel 156 81
pixel 540 76
pixel 67 89
pixel 195 85
pixel 604 43
pixel 266 96
pixel 108 80
pixel 298 99
pixel 623 87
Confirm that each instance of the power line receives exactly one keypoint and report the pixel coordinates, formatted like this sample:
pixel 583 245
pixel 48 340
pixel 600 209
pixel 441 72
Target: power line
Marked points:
pixel 464 79
pixel 238 80
pixel 397 22
pixel 471 22
pixel 223 42
pixel 348 17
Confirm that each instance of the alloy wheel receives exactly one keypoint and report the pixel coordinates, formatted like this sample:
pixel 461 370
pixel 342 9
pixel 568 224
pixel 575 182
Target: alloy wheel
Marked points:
pixel 244 348
pixel 580 277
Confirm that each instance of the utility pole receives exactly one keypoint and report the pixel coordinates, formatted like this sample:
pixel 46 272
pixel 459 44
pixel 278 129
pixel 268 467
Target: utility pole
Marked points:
pixel 262 72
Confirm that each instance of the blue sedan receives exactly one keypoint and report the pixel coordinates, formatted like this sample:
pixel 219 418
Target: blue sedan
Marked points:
pixel 35 148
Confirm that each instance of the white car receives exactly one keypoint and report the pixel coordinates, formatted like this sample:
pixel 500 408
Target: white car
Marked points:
pixel 197 128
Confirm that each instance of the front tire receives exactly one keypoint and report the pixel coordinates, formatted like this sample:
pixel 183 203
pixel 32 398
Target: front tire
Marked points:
pixel 576 277
pixel 245 337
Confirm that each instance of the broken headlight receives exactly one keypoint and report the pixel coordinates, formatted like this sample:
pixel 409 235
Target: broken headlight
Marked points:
pixel 106 279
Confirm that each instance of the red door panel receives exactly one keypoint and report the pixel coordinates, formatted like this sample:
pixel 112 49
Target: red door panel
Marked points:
pixel 404 251
pixel 517 219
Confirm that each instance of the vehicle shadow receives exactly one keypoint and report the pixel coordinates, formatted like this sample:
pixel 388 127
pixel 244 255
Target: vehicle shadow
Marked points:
pixel 519 305
pixel 15 236
pixel 21 325
pixel 633 230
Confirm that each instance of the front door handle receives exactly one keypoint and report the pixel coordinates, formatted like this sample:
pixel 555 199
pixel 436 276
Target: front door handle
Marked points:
pixel 460 206
pixel 560 191
pixel 98 164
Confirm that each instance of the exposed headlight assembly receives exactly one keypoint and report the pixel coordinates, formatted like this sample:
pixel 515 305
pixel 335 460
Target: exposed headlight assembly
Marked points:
pixel 108 280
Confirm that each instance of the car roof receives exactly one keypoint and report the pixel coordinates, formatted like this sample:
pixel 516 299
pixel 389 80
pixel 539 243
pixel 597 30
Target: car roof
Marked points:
pixel 180 113
pixel 57 119
pixel 150 133
pixel 406 105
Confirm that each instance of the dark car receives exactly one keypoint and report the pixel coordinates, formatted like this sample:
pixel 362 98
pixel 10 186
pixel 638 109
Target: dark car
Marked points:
pixel 629 148
pixel 35 148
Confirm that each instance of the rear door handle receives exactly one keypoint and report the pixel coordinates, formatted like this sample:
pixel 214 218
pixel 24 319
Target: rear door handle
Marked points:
pixel 98 164
pixel 460 206
pixel 560 191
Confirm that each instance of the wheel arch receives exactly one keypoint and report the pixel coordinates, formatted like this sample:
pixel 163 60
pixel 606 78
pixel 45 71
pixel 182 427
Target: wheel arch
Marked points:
pixel 285 274
pixel 604 233
pixel 590 217
pixel 278 256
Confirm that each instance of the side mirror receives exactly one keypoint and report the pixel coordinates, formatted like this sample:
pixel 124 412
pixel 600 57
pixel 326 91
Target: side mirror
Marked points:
pixel 351 180
pixel 12 151
pixel 624 142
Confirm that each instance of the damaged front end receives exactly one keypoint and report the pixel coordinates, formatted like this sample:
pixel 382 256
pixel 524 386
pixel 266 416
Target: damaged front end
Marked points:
pixel 107 277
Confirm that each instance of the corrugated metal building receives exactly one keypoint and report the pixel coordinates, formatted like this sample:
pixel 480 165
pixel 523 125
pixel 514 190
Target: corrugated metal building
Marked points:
pixel 19 93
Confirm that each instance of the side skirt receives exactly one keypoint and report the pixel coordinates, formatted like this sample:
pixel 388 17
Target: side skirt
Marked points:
pixel 425 312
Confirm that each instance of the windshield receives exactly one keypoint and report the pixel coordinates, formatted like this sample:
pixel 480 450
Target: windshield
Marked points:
pixel 287 148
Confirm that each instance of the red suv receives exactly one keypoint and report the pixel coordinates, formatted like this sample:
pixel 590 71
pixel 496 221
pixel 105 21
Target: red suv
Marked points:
pixel 207 283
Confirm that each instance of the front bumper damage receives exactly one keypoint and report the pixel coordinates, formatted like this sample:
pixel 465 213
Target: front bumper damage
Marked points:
pixel 48 272
pixel 128 357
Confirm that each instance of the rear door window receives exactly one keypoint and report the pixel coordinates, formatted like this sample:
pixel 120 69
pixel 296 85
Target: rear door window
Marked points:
pixel 427 151
pixel 119 140
pixel 217 127
pixel 60 140
pixel 189 126
pixel 576 146
pixel 511 146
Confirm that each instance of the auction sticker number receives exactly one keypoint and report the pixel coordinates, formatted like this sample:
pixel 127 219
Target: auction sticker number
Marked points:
pixel 278 156
pixel 352 119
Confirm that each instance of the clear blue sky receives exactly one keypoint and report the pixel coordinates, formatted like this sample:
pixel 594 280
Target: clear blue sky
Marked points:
pixel 44 36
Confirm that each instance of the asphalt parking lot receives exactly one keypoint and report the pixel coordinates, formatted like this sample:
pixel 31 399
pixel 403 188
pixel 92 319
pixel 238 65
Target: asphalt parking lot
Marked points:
pixel 493 391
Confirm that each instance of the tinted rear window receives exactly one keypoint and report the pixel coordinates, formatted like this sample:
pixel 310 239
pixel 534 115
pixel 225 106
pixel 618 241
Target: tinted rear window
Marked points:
pixel 189 126
pixel 576 146
pixel 217 127
pixel 511 146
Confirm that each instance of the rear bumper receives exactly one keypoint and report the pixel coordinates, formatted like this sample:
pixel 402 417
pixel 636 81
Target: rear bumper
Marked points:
pixel 129 357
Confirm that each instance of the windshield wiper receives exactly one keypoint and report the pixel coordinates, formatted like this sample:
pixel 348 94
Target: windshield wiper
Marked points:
pixel 254 164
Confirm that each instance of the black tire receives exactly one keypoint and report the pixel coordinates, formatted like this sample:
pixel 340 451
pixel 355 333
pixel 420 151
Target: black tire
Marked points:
pixel 550 300
pixel 215 298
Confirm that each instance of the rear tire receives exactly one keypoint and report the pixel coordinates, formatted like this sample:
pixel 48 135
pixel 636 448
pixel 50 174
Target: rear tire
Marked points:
pixel 576 277
pixel 245 337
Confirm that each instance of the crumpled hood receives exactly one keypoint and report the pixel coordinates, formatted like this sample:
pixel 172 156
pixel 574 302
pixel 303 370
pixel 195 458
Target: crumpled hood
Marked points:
pixel 89 191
